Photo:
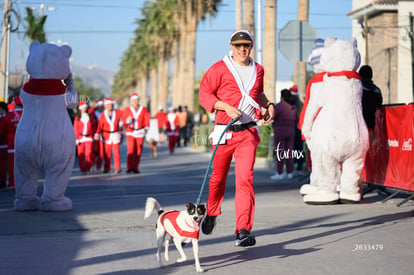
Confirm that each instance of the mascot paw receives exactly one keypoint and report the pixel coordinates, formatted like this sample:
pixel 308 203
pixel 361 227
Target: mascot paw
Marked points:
pixel 27 205
pixel 321 198
pixel 307 189
pixel 64 204
pixel 349 198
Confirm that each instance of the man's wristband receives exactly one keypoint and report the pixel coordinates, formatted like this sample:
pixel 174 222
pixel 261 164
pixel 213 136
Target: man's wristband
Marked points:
pixel 268 104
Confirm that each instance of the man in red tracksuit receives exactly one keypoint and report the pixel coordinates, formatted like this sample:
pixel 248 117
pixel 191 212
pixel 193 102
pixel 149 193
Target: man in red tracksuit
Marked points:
pixel 9 126
pixel 110 129
pixel 136 120
pixel 233 87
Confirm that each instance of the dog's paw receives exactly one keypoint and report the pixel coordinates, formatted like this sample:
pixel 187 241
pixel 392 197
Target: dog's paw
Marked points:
pixel 199 269
pixel 181 260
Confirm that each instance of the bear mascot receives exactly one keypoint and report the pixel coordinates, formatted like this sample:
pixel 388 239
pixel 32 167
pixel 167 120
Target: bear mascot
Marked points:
pixel 338 136
pixel 45 140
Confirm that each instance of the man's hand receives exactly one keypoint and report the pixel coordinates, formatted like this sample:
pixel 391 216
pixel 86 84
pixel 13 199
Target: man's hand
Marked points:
pixel 269 114
pixel 231 111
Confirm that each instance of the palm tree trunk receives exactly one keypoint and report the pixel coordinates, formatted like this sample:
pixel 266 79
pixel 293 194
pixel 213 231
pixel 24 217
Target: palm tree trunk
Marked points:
pixel 163 82
pixel 269 60
pixel 190 63
pixel 154 91
pixel 239 14
pixel 176 76
pixel 303 15
pixel 249 19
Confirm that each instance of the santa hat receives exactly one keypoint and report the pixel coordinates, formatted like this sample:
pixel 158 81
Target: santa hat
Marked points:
pixel 82 104
pixel 134 96
pixel 109 101
pixel 293 90
pixel 99 103
pixel 17 101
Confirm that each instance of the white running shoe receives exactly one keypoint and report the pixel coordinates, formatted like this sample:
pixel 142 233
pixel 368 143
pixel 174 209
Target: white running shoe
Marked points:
pixel 278 176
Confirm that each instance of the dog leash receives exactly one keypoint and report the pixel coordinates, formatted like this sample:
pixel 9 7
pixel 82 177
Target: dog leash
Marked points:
pixel 212 157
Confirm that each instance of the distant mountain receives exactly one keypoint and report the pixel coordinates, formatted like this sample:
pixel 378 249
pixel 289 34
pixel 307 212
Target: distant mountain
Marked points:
pixel 96 77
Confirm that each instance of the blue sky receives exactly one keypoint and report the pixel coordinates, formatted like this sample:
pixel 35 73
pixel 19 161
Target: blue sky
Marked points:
pixel 99 31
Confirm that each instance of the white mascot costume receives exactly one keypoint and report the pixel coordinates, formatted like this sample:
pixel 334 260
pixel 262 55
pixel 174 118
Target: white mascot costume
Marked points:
pixel 338 137
pixel 45 140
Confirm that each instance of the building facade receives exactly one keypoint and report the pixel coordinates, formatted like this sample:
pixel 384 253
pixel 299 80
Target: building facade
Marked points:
pixel 384 31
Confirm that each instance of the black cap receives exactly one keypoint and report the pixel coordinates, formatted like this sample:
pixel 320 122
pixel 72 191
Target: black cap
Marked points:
pixel 241 37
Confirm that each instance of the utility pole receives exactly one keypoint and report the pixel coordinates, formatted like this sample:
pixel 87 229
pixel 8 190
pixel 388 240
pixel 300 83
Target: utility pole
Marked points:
pixel 4 65
pixel 366 32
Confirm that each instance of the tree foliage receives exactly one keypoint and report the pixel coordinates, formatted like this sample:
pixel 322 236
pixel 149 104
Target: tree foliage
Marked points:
pixel 35 26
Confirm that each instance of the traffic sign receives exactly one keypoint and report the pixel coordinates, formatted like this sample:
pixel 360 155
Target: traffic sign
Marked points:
pixel 296 40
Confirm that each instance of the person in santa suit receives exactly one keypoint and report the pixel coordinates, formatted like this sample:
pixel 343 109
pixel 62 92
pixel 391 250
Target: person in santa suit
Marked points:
pixel 162 119
pixel 97 145
pixel 136 120
pixel 233 88
pixel 109 129
pixel 3 147
pixel 84 126
pixel 172 130
pixel 9 126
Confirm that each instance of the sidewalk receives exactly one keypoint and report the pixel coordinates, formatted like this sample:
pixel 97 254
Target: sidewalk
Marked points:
pixel 106 233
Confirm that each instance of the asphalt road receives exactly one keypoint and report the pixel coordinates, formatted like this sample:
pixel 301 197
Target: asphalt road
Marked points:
pixel 106 233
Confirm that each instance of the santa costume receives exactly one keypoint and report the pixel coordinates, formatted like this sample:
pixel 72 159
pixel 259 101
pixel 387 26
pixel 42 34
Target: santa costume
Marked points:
pixel 172 130
pixel 97 145
pixel 84 127
pixel 9 126
pixel 3 147
pixel 110 130
pixel 136 123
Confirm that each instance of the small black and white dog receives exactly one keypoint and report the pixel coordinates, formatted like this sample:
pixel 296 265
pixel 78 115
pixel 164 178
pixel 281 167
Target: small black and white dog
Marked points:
pixel 179 226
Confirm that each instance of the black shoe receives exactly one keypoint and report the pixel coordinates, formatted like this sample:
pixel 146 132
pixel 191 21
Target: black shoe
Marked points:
pixel 129 171
pixel 244 238
pixel 208 224
pixel 106 171
pixel 136 171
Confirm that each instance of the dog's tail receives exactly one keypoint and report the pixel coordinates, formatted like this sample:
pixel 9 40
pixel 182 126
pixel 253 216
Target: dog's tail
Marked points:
pixel 150 205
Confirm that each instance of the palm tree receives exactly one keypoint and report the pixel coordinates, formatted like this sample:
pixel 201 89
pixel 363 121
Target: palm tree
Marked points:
pixel 303 15
pixel 157 42
pixel 248 18
pixel 269 60
pixel 35 26
pixel 239 15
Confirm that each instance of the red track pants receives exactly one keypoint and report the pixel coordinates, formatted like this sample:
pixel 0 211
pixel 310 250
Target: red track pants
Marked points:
pixel 85 156
pixel 3 164
pixel 107 156
pixel 11 169
pixel 243 145
pixel 172 140
pixel 97 151
pixel 134 151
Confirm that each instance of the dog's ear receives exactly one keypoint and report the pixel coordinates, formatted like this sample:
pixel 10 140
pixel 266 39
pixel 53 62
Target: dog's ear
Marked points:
pixel 190 208
pixel 201 209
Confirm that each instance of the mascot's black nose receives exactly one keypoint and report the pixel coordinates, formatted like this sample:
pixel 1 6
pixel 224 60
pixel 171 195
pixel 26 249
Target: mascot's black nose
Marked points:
pixel 195 218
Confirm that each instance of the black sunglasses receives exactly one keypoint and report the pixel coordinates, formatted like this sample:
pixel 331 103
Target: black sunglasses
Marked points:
pixel 245 45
